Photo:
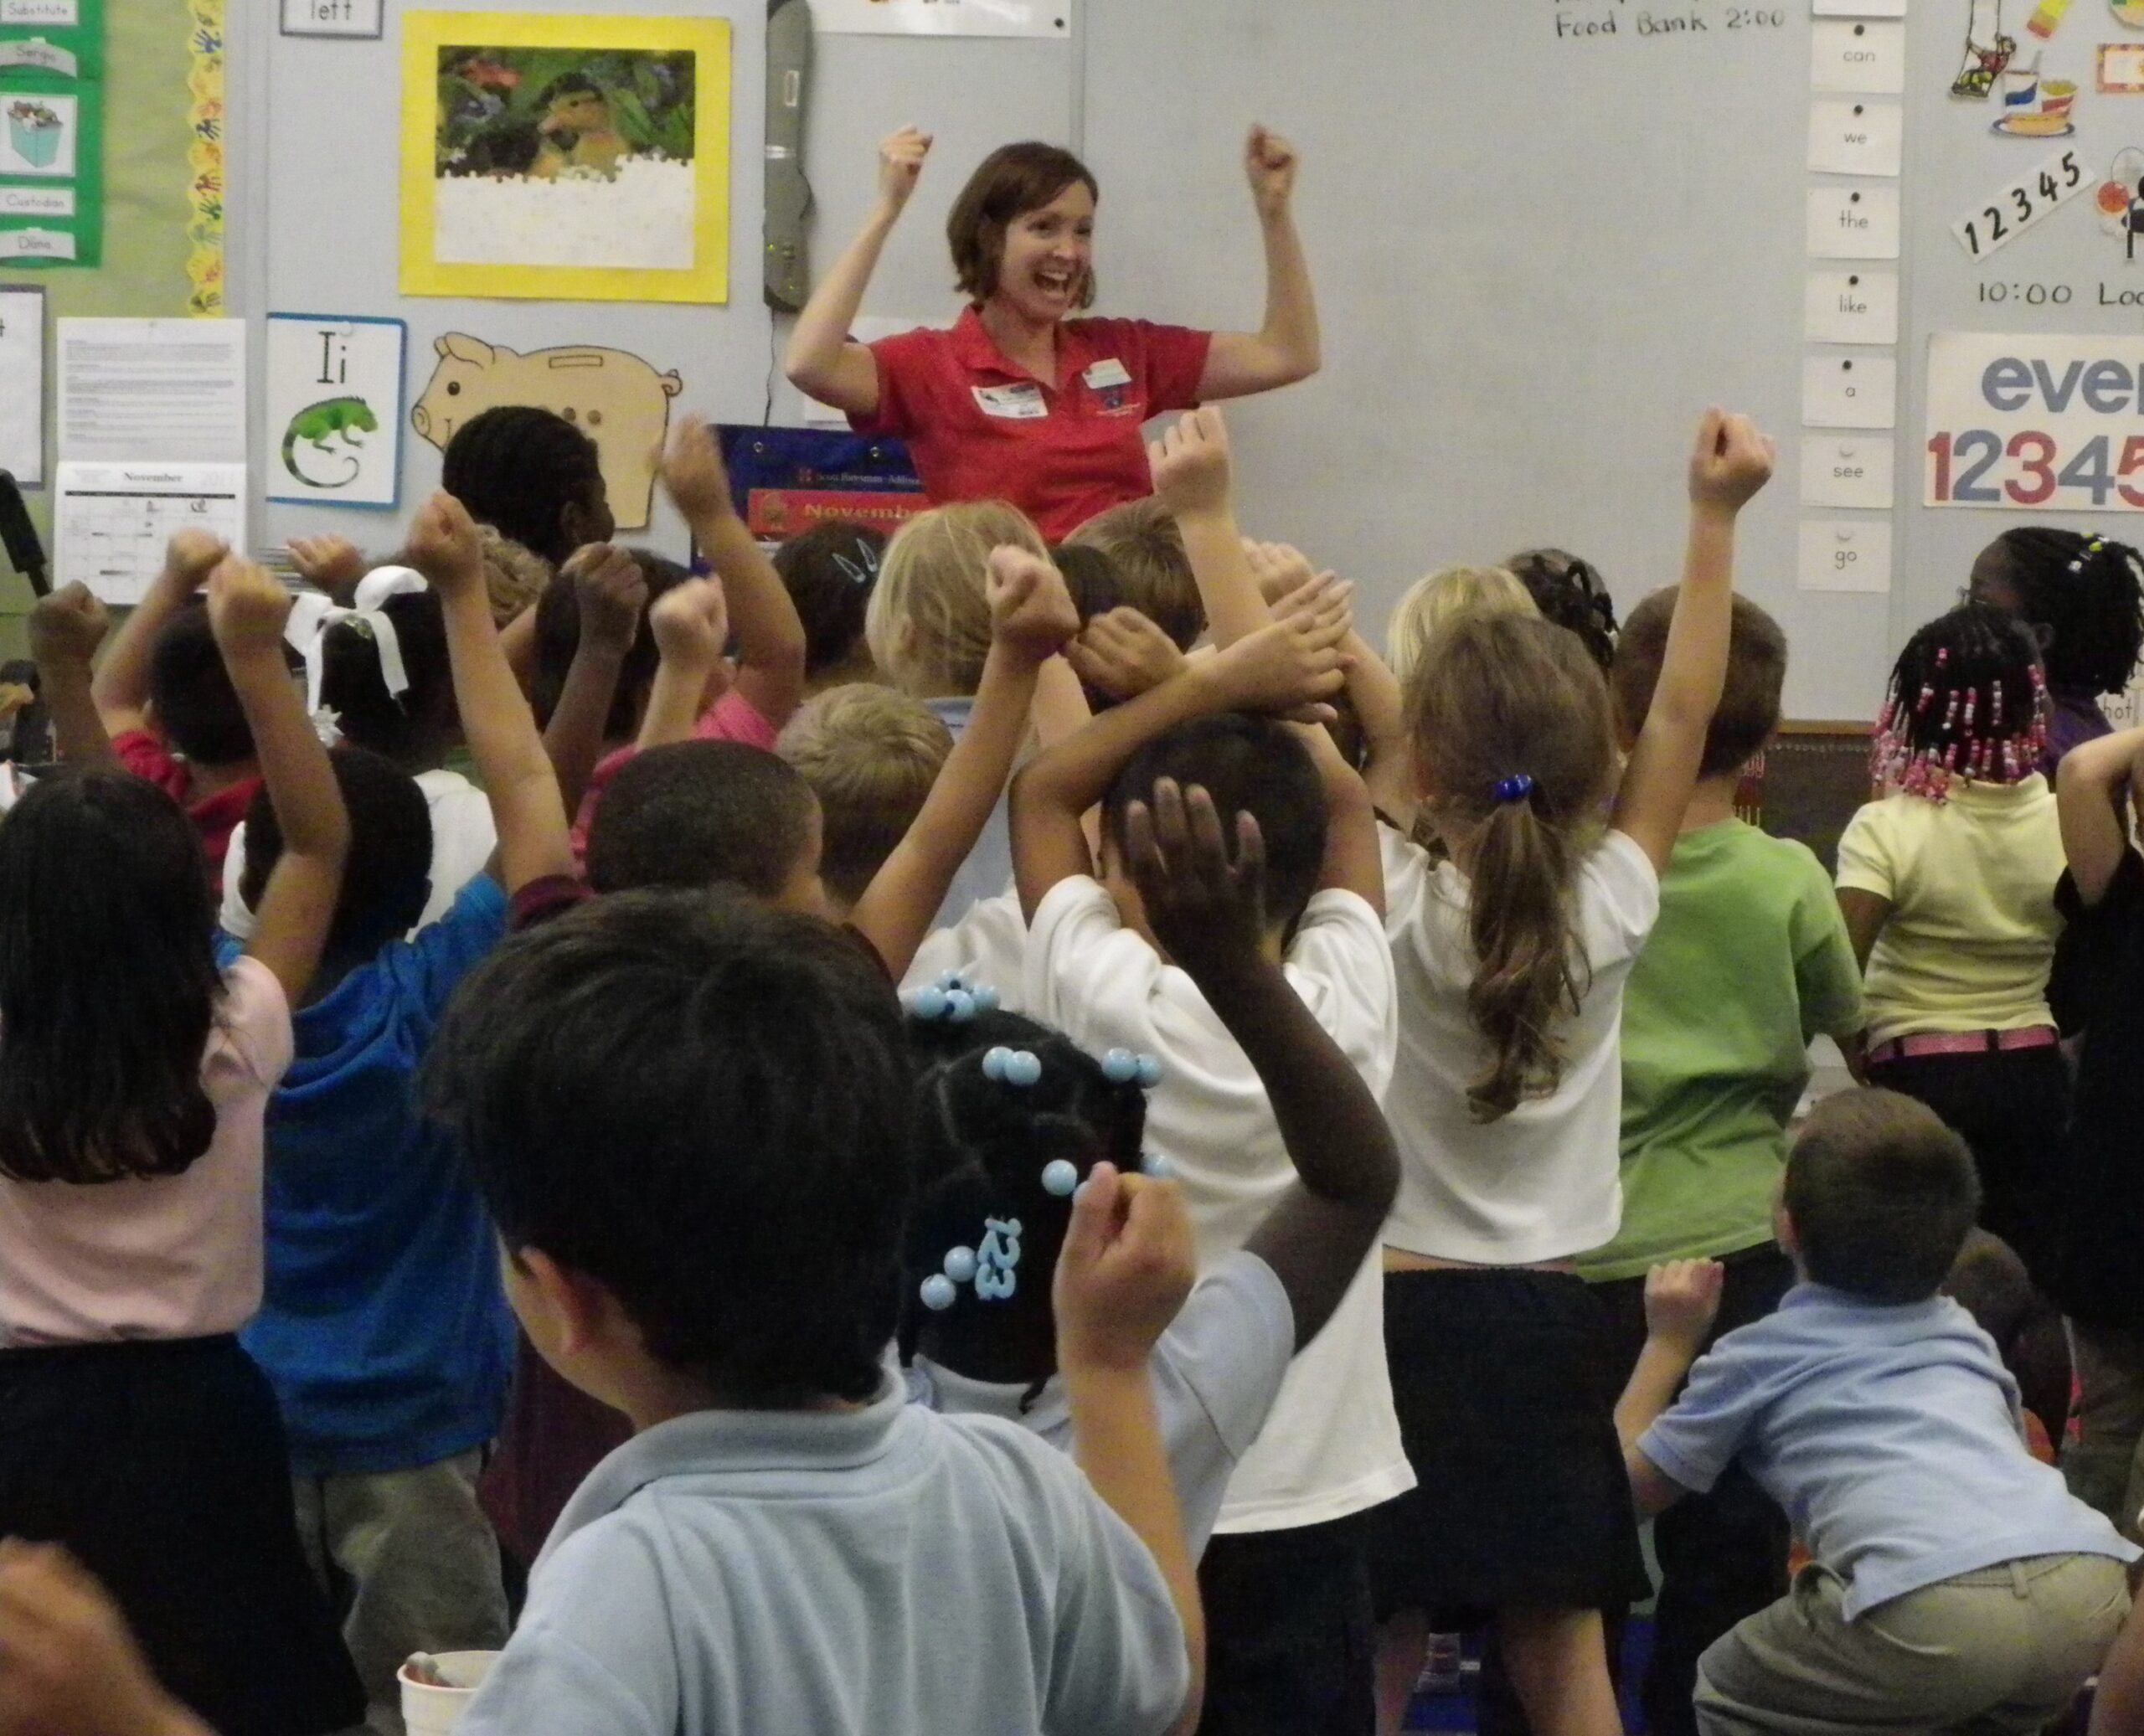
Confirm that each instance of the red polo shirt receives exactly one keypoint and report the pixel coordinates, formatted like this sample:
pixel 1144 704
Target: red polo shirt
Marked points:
pixel 980 429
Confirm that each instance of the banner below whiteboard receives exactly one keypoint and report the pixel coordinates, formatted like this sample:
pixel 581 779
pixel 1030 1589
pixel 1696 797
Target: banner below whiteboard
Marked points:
pixel 942 18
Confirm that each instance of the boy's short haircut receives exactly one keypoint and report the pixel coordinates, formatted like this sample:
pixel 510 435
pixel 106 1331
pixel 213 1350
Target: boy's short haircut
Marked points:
pixel 1749 703
pixel 387 876
pixel 1091 577
pixel 829 571
pixel 699 814
pixel 1153 568
pixel 870 755
pixel 190 693
pixel 703 1104
pixel 1882 1195
pixel 929 618
pixel 1250 765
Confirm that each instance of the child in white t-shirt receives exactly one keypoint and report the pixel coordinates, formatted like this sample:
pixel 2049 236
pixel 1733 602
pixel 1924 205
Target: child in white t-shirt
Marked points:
pixel 1511 958
pixel 1286 1570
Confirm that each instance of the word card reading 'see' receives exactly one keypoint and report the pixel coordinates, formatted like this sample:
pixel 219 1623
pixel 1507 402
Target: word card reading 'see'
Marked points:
pixel 1845 56
pixel 1849 470
pixel 1854 222
pixel 1850 392
pixel 1846 554
pixel 1851 307
pixel 1855 138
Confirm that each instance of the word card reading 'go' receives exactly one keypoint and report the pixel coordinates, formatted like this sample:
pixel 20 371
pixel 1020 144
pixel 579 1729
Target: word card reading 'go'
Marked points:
pixel 2008 214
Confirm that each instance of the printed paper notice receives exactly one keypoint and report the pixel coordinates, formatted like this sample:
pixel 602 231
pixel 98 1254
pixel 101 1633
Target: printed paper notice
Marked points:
pixel 21 384
pixel 132 390
pixel 111 521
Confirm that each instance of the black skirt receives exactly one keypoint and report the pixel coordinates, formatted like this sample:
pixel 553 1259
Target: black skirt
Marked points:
pixel 161 1465
pixel 1503 1380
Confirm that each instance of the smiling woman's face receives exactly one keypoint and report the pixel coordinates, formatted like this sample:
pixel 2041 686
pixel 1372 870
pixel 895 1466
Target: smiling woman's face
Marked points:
pixel 1048 254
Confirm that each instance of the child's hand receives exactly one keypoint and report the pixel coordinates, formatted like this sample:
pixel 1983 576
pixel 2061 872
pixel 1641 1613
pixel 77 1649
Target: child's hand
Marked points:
pixel 67 1660
pixel 1127 1264
pixel 189 558
pixel 1731 461
pixel 247 609
pixel 1270 162
pixel 1295 662
pixel 1032 614
pixel 445 546
pixel 693 475
pixel 1190 462
pixel 1280 569
pixel 691 623
pixel 332 563
pixel 67 626
pixel 1198 902
pixel 900 164
pixel 1682 1299
pixel 1122 654
pixel 609 590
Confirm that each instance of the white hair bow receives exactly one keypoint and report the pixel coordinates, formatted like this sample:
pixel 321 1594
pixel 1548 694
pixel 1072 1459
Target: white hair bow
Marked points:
pixel 311 615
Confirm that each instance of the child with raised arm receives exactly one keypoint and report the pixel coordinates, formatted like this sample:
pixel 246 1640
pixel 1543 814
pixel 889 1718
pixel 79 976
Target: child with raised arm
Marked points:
pixel 384 1330
pixel 134 1075
pixel 1004 1138
pixel 1285 1574
pixel 730 1283
pixel 1955 1583
pixel 1512 957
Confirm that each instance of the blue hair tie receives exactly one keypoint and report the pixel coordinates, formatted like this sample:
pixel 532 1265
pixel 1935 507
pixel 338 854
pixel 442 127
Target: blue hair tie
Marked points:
pixel 1514 788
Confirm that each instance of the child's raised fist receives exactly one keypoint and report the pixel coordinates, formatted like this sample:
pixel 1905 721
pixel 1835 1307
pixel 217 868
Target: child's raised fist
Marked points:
pixel 1280 569
pixel 247 608
pixel 67 626
pixel 693 475
pixel 1190 462
pixel 1733 460
pixel 1270 162
pixel 691 622
pixel 1127 1264
pixel 190 557
pixel 445 546
pixel 1682 1299
pixel 1031 612
pixel 1123 654
pixel 610 589
pixel 900 164
pixel 330 563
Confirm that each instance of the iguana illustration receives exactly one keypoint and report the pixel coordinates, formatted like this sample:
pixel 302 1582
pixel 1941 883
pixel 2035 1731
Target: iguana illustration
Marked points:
pixel 314 425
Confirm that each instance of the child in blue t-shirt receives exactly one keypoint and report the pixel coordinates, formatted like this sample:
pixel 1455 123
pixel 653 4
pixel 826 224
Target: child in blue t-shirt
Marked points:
pixel 383 1329
pixel 1955 1581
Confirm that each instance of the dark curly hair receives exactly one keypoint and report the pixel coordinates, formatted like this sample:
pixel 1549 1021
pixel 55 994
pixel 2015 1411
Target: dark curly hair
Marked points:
pixel 517 467
pixel 1571 592
pixel 2083 596
pixel 1967 699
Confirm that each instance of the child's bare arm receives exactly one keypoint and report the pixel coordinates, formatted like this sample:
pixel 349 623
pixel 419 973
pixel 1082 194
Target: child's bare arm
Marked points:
pixel 1031 616
pixel 1209 913
pixel 122 687
pixel 247 610
pixel 1731 461
pixel 1128 1264
pixel 65 629
pixel 1281 667
pixel 516 775
pixel 1681 1300
pixel 67 1661
pixel 1192 476
pixel 328 563
pixel 691 624
pixel 2091 791
pixel 770 636
pixel 610 591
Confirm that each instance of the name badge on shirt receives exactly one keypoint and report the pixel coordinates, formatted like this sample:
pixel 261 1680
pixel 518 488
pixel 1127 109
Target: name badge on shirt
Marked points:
pixel 1107 372
pixel 1022 403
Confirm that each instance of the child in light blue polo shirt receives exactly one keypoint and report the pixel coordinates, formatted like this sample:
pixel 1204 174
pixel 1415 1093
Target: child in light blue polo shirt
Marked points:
pixel 1955 1582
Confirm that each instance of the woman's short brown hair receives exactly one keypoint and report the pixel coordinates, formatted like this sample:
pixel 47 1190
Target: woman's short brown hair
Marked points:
pixel 1011 181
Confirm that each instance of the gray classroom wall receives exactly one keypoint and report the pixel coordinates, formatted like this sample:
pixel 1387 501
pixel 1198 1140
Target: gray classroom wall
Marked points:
pixel 1537 257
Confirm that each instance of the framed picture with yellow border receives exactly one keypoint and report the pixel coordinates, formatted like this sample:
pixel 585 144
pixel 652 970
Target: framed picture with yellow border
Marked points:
pixel 565 158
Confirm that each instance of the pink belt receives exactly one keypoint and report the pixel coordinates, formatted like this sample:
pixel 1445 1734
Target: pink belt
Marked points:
pixel 1964 1042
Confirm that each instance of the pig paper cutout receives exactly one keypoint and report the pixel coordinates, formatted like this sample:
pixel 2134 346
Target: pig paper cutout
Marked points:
pixel 616 398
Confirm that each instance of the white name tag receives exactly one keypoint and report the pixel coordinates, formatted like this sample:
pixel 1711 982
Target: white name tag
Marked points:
pixel 1022 402
pixel 1108 373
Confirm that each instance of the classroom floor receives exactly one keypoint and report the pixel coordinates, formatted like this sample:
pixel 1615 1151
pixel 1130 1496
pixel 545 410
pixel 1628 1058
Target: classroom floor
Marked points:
pixel 1452 1708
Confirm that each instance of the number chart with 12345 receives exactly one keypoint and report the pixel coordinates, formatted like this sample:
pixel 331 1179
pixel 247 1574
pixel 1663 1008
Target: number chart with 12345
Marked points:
pixel 2032 197
pixel 2042 421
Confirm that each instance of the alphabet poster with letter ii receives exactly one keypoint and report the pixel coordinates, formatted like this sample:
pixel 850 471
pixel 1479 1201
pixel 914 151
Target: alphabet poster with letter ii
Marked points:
pixel 2045 423
pixel 334 409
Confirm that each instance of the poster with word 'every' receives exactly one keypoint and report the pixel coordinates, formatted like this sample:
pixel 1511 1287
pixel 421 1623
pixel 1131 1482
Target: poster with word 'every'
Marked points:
pixel 2044 422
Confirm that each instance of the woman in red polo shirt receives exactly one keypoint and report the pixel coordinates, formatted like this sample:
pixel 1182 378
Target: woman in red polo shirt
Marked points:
pixel 1018 401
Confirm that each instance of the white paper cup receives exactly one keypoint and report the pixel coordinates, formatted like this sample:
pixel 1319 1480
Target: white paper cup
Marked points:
pixel 428 1711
